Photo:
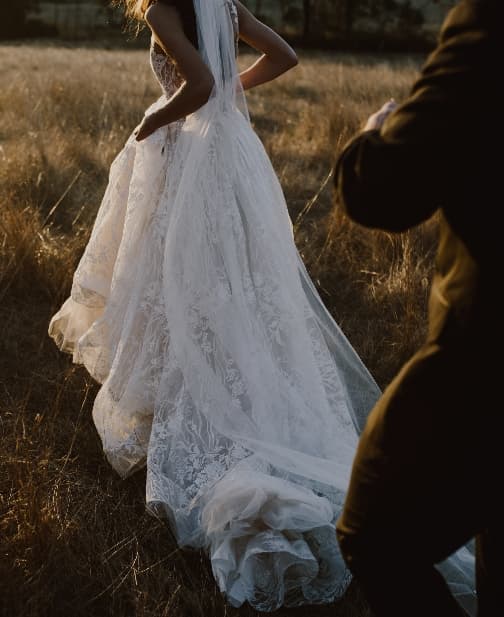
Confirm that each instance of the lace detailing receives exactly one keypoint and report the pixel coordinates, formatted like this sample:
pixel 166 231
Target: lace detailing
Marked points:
pixel 233 10
pixel 220 368
pixel 272 542
pixel 165 67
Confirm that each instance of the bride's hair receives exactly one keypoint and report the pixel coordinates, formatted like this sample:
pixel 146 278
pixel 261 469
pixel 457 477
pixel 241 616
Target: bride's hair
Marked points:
pixel 135 13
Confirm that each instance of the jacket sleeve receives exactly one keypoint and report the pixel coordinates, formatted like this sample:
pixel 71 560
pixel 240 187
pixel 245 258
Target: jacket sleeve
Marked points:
pixel 397 177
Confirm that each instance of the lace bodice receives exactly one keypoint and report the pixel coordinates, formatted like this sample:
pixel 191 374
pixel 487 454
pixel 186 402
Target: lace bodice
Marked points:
pixel 221 369
pixel 165 68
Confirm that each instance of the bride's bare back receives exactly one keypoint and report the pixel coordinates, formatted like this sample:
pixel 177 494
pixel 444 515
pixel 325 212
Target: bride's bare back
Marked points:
pixel 195 81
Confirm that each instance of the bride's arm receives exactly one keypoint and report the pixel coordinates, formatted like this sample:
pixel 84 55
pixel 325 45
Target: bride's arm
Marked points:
pixel 278 57
pixel 168 30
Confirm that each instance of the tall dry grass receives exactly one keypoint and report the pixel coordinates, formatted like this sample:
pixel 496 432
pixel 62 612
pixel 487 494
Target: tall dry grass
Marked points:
pixel 74 539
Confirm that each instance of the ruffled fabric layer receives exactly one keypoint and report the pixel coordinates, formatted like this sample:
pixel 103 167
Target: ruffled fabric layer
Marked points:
pixel 221 369
pixel 272 543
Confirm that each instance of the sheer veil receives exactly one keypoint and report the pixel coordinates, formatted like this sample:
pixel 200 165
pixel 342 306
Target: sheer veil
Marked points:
pixel 218 46
pixel 220 366
pixel 217 159
pixel 283 396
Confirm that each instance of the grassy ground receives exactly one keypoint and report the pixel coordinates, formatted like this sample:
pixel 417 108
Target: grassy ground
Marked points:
pixel 74 539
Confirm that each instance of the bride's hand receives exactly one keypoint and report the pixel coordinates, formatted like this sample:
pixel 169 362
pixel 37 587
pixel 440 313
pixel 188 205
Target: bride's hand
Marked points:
pixel 375 122
pixel 149 125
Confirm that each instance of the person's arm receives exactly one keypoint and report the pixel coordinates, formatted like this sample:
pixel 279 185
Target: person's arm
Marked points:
pixel 168 30
pixel 277 56
pixel 396 177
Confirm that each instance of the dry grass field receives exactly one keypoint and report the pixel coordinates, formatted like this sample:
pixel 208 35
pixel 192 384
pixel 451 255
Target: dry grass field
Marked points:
pixel 75 540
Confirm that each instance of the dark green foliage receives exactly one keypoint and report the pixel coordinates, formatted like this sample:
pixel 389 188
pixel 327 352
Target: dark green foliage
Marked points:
pixel 342 20
pixel 350 15
pixel 388 14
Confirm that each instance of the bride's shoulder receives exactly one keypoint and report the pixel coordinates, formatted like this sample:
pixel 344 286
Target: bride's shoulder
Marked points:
pixel 160 9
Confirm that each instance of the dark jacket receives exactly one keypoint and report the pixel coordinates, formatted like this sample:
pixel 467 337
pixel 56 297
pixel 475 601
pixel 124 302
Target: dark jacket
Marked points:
pixel 441 150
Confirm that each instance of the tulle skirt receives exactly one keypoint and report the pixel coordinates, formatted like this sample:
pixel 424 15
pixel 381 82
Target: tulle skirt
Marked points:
pixel 221 369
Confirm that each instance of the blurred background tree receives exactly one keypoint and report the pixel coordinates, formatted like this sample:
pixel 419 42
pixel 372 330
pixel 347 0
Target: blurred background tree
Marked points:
pixel 355 24
pixel 340 24
pixel 343 18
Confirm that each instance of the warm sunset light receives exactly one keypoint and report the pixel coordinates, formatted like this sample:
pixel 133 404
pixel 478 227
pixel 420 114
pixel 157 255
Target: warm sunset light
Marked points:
pixel 247 296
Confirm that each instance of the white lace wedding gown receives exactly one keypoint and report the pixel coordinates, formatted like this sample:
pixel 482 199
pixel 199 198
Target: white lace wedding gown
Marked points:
pixel 221 370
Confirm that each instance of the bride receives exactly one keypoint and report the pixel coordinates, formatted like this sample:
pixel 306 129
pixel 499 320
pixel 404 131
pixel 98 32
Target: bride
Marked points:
pixel 221 369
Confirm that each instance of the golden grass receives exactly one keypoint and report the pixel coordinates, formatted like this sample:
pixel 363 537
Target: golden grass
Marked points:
pixel 74 539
